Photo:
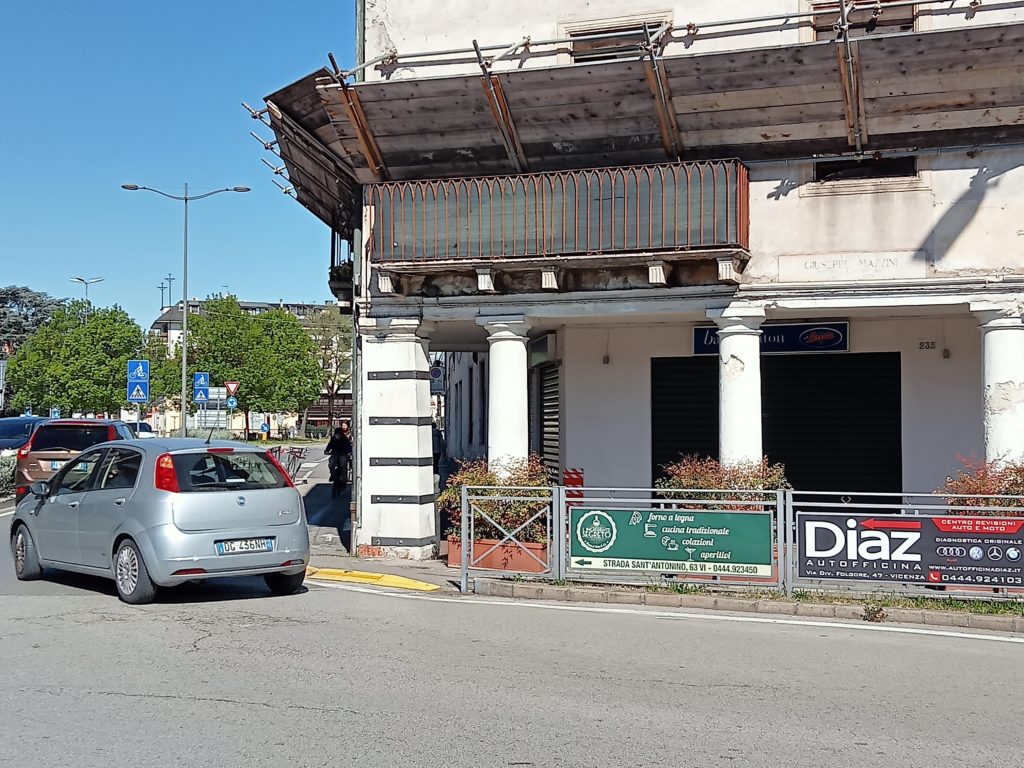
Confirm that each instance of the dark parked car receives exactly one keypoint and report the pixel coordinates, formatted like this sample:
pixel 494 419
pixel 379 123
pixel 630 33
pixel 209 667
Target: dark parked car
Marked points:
pixel 57 441
pixel 15 432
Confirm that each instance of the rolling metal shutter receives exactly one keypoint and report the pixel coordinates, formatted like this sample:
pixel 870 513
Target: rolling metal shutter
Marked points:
pixel 684 409
pixel 835 421
pixel 550 421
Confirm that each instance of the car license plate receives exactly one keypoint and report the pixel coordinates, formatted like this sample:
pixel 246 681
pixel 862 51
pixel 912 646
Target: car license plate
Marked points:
pixel 55 465
pixel 239 546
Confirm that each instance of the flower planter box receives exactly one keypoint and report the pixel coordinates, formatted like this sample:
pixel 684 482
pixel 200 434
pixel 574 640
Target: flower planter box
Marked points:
pixel 507 557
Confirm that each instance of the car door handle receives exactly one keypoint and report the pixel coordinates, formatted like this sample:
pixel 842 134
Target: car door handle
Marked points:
pixel 119 502
pixel 73 505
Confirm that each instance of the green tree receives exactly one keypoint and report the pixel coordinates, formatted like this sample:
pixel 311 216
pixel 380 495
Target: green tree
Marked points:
pixel 22 311
pixel 331 332
pixel 164 371
pixel 271 356
pixel 76 360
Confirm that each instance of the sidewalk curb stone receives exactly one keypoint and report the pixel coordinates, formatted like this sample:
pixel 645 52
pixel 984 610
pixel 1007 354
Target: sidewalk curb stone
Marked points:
pixel 579 594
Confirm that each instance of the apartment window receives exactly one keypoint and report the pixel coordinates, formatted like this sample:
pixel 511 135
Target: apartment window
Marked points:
pixel 869 168
pixel 865 20
pixel 625 43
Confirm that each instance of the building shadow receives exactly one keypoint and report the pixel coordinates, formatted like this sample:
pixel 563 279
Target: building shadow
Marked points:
pixel 958 215
pixel 323 510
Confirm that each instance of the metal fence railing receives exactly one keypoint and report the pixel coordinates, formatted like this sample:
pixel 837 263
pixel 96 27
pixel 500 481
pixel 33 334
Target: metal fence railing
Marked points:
pixel 507 529
pixel 913 544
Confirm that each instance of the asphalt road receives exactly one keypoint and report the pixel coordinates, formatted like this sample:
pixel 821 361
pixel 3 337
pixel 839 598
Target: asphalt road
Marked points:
pixel 224 675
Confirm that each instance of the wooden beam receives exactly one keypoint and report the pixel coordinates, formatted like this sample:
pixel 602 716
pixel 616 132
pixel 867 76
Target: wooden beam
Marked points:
pixel 368 145
pixel 503 117
pixel 667 124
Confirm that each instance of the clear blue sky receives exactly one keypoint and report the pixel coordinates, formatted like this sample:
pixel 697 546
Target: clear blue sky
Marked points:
pixel 97 94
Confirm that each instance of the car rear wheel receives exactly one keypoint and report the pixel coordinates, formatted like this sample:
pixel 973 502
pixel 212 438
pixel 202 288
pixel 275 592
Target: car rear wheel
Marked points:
pixel 131 576
pixel 26 561
pixel 282 584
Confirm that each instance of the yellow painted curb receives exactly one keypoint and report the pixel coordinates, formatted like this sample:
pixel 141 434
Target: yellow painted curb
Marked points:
pixel 365 577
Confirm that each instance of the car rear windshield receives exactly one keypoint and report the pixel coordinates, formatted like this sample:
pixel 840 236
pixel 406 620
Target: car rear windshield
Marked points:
pixel 15 429
pixel 235 471
pixel 69 437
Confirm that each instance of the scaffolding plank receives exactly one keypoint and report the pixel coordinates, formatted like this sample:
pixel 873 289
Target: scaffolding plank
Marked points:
pixel 940 83
pixel 824 111
pixel 980 98
pixel 949 120
pixel 757 98
pixel 768 133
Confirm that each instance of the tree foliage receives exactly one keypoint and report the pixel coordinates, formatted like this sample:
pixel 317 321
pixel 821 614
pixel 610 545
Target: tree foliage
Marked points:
pixel 22 311
pixel 76 360
pixel 271 355
pixel 331 332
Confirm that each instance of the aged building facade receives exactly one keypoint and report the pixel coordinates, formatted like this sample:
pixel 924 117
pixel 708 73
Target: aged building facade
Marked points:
pixel 781 228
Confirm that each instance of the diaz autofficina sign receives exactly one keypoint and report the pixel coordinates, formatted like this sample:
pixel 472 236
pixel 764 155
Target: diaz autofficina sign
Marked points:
pixel 922 549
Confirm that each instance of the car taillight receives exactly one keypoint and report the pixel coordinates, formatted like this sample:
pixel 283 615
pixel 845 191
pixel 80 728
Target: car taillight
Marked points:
pixel 166 479
pixel 276 463
pixel 220 450
pixel 111 432
pixel 26 448
pixel 21 492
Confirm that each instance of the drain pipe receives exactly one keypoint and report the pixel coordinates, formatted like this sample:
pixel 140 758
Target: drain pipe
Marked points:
pixel 853 85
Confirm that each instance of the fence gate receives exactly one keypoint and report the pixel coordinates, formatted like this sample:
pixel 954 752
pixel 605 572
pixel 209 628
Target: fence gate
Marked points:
pixel 510 530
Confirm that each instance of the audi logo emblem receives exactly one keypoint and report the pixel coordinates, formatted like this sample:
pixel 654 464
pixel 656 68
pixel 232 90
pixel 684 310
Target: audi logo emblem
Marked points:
pixel 951 552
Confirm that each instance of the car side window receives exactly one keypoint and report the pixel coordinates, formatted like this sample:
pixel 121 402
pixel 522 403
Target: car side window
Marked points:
pixel 77 475
pixel 125 432
pixel 120 470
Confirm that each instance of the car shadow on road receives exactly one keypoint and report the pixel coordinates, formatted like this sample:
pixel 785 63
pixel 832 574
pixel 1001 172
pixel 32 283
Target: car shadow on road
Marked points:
pixel 213 590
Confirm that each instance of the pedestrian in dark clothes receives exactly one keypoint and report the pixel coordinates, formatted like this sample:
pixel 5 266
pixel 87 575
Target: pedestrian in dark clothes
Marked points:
pixel 338 449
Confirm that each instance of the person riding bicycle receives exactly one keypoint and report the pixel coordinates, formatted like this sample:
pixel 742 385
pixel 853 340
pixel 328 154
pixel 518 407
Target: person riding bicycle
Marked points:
pixel 339 448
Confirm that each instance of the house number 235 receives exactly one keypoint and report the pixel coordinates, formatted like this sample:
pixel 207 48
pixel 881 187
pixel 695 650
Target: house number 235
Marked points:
pixel 926 345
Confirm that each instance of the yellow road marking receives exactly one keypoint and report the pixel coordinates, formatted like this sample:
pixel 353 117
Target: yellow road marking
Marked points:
pixel 366 577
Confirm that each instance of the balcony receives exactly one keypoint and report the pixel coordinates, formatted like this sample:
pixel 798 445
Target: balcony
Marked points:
pixel 603 217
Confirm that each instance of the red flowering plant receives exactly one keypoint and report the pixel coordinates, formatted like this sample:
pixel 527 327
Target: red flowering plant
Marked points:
pixel 522 479
pixel 978 479
pixel 692 478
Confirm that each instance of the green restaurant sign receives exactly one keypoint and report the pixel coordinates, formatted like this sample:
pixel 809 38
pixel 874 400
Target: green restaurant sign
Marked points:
pixel 672 541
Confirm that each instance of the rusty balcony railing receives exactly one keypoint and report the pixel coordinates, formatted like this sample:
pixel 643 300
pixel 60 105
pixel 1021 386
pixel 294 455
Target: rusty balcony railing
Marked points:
pixel 645 209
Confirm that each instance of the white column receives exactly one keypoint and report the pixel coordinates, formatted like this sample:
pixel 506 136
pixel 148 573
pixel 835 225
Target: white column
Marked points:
pixel 1002 332
pixel 739 387
pixel 396 504
pixel 508 427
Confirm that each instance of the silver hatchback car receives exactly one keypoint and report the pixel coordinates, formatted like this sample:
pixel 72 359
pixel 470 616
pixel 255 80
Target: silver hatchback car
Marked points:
pixel 158 512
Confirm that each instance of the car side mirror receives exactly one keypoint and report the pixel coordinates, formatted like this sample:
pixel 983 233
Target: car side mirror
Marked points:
pixel 40 488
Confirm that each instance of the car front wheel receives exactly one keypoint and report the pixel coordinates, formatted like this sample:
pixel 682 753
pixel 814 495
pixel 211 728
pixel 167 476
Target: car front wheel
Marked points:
pixel 131 576
pixel 282 584
pixel 26 560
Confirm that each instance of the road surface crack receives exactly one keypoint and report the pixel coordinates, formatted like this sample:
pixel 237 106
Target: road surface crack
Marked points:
pixel 198 699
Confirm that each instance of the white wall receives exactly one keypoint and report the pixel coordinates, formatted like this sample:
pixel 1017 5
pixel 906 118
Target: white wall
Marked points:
pixel 956 220
pixel 607 408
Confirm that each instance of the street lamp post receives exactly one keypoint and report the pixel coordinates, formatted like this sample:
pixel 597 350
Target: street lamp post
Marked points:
pixel 87 283
pixel 186 199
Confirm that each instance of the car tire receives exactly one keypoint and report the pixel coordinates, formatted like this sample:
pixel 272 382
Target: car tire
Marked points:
pixel 134 586
pixel 283 584
pixel 23 552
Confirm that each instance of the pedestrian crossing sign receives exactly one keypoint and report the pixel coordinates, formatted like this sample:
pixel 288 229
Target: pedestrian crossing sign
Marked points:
pixel 201 394
pixel 138 392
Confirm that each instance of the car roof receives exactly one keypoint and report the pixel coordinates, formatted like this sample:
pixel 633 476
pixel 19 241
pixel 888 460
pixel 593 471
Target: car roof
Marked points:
pixel 184 445
pixel 23 418
pixel 84 422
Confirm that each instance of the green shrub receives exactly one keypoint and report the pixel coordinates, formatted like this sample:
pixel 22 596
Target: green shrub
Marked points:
pixel 686 478
pixel 7 465
pixel 986 478
pixel 522 475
